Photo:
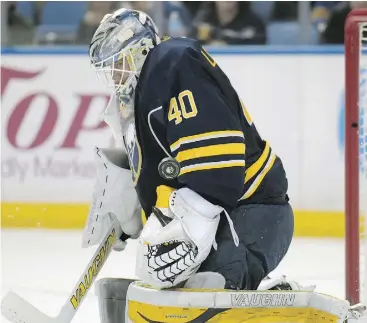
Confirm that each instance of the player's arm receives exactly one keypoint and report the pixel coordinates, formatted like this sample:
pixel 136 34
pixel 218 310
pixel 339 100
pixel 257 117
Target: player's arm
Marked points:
pixel 207 141
pixel 204 135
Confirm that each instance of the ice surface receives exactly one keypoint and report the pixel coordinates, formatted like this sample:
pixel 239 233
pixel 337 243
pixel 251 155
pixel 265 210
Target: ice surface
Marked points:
pixel 43 267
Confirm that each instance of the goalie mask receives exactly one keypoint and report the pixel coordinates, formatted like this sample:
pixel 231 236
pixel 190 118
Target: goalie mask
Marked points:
pixel 117 53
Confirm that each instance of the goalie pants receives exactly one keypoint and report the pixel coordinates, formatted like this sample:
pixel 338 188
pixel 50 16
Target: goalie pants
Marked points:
pixel 265 233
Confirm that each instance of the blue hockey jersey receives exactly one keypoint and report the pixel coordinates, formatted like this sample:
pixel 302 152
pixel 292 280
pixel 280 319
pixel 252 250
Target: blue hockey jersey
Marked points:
pixel 186 106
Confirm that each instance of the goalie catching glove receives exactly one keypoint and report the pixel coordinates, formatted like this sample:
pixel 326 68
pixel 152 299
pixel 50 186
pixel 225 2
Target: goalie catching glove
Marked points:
pixel 177 237
pixel 114 196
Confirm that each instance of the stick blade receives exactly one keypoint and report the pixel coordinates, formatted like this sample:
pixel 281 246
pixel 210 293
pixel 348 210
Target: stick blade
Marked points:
pixel 17 310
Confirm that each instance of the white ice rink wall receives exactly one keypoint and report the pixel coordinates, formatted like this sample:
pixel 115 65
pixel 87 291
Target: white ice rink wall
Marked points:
pixel 51 103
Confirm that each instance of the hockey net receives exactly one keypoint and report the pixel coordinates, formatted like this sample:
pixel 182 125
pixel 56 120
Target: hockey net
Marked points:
pixel 356 155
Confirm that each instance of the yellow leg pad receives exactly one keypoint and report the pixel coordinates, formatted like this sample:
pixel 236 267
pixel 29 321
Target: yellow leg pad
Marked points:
pixel 143 313
pixel 146 304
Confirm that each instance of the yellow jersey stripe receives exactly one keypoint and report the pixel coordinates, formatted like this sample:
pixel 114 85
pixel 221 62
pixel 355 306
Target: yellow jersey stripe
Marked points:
pixel 163 194
pixel 212 150
pixel 256 166
pixel 205 136
pixel 246 114
pixel 211 61
pixel 143 217
pixel 259 178
pixel 212 165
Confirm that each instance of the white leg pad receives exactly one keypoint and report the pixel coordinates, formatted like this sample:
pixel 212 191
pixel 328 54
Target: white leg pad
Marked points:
pixel 206 280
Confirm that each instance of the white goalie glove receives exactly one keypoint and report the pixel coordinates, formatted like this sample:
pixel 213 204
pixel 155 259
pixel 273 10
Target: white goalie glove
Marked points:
pixel 177 238
pixel 114 196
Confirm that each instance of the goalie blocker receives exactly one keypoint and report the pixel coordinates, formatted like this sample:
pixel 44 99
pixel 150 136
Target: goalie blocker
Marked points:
pixel 125 301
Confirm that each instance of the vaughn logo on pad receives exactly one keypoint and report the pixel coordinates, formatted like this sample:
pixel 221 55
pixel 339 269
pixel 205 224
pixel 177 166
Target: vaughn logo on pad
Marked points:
pixel 263 299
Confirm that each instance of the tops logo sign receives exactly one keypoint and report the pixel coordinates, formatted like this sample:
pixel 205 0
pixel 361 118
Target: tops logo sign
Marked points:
pixel 52 108
pixel 51 121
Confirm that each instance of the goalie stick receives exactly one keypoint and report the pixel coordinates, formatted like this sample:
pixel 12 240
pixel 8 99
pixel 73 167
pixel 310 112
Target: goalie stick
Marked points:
pixel 17 310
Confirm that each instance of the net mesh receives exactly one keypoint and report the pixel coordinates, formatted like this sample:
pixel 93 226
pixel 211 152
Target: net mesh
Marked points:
pixel 363 155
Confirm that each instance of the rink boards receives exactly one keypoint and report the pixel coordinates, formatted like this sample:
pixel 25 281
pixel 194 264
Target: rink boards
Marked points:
pixel 51 107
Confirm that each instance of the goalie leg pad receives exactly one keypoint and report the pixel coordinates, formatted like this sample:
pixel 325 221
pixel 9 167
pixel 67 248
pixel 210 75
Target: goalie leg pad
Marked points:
pixel 206 280
pixel 145 304
pixel 111 293
pixel 265 233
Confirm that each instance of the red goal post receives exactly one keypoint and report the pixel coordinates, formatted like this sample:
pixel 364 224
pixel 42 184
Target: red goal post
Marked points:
pixel 355 143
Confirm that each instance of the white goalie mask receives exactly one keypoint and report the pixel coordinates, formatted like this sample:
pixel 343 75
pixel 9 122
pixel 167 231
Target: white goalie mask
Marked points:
pixel 118 51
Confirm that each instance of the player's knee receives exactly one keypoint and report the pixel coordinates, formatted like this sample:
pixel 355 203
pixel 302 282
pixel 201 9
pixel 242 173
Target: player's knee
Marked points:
pixel 247 276
pixel 241 268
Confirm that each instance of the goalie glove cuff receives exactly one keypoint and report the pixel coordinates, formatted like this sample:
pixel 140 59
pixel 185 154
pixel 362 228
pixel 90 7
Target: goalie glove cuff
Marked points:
pixel 196 213
pixel 199 218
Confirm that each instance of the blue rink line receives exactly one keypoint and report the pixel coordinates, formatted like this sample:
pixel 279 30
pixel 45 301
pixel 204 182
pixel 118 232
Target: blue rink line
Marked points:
pixel 215 50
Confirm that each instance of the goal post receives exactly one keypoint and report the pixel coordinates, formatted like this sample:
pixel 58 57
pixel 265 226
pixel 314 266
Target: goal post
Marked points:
pixel 355 43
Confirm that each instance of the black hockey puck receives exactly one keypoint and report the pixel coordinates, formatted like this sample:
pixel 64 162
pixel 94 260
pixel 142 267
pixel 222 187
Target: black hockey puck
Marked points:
pixel 169 168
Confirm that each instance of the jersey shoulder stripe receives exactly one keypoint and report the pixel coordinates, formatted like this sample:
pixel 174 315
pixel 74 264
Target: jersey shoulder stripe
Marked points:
pixel 205 136
pixel 256 183
pixel 212 165
pixel 253 169
pixel 208 151
pixel 212 150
